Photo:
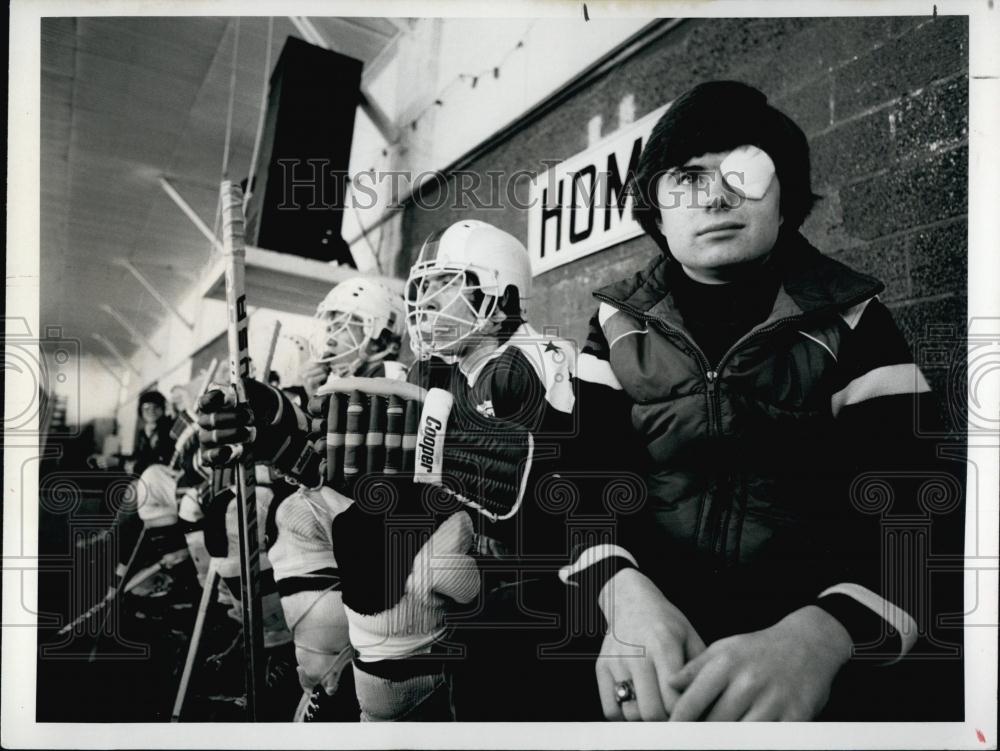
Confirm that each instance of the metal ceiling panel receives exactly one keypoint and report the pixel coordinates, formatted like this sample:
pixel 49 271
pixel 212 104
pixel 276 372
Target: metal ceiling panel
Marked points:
pixel 125 101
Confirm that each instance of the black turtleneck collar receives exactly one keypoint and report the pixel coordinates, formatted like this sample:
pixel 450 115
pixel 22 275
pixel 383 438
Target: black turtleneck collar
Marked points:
pixel 717 315
pixel 813 281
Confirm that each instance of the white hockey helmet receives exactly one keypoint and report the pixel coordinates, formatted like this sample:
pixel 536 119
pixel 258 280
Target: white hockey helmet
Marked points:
pixel 467 257
pixel 354 314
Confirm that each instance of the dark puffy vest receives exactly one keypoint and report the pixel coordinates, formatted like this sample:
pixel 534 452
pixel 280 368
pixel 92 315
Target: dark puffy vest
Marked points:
pixel 744 481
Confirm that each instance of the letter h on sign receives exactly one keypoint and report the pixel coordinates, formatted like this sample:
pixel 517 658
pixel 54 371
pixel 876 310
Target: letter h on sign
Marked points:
pixel 549 213
pixel 602 177
pixel 588 196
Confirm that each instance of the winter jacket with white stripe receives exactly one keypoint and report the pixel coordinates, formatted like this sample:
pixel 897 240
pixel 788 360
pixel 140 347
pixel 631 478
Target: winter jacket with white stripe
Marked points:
pixel 753 507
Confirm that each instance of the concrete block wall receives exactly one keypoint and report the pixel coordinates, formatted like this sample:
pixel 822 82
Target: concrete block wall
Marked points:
pixel 884 102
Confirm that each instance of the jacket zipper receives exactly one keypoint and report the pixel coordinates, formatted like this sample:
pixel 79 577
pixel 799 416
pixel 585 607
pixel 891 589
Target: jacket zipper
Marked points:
pixel 711 374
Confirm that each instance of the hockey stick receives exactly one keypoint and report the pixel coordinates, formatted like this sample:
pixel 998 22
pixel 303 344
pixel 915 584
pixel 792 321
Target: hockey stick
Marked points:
pixel 199 625
pixel 110 597
pixel 95 609
pixel 206 381
pixel 270 351
pixel 86 615
pixel 246 502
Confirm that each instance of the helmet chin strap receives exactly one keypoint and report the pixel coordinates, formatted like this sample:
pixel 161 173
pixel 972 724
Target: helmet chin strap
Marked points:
pixel 485 325
pixel 377 357
pixel 346 367
pixel 484 319
pixel 483 335
pixel 343 369
pixel 491 326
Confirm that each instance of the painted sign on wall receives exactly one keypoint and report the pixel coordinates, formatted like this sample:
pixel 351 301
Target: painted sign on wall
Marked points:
pixel 582 205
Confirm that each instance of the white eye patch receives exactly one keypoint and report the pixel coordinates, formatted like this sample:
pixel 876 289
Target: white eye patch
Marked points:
pixel 748 170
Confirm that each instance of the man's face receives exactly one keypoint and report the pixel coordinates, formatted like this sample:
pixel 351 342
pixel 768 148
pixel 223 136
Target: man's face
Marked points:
pixel 714 227
pixel 338 333
pixel 151 412
pixel 446 307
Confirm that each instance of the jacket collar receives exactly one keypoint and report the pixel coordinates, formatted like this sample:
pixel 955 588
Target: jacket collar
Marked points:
pixel 810 282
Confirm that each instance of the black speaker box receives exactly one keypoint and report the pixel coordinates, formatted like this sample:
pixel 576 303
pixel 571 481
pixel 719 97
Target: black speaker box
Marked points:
pixel 300 183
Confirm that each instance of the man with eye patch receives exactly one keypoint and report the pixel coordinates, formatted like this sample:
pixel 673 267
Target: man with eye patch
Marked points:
pixel 763 378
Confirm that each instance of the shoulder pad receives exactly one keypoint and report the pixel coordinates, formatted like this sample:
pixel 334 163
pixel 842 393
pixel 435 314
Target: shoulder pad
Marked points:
pixel 554 362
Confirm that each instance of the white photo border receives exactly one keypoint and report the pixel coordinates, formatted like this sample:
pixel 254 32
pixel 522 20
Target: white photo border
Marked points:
pixel 20 517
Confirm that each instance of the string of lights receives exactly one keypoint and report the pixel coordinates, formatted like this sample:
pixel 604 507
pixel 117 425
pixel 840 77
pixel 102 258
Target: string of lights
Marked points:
pixel 472 79
pixel 440 99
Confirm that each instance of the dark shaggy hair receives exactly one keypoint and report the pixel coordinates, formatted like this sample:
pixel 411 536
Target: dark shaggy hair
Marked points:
pixel 719 116
pixel 152 397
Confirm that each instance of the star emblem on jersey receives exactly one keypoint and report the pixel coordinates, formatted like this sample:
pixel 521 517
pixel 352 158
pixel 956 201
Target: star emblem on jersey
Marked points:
pixel 550 346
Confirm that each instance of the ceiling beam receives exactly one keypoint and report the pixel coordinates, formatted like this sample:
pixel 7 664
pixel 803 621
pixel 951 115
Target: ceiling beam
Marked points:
pixel 115 351
pixel 346 20
pixel 190 213
pixel 308 31
pixel 167 305
pixel 108 368
pixel 379 118
pixel 136 336
pixel 401 24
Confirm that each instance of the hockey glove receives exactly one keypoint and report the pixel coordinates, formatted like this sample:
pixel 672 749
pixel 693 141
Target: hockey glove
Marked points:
pixel 378 427
pixel 268 422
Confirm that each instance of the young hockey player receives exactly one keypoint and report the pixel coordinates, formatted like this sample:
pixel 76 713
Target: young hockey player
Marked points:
pixel 407 567
pixel 467 299
pixel 358 330
pixel 511 393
